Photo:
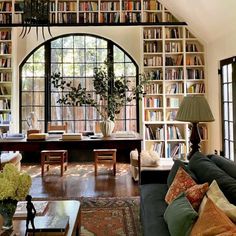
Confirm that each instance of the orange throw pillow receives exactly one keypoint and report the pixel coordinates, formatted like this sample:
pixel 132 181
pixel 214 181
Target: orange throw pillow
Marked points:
pixel 196 193
pixel 212 221
pixel 181 183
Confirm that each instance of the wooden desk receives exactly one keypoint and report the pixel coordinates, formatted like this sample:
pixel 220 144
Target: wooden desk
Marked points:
pixel 123 145
pixel 68 207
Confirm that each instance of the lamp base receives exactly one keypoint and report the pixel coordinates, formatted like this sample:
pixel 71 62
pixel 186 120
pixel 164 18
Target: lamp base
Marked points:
pixel 194 139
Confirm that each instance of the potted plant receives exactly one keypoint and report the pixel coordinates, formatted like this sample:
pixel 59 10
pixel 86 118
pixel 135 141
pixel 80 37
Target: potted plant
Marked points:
pixel 112 94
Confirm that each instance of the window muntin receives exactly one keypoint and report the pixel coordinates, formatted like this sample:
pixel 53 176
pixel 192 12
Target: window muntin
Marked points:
pixel 75 57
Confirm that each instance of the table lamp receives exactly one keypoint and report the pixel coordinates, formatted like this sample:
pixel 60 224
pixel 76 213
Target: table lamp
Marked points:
pixel 194 109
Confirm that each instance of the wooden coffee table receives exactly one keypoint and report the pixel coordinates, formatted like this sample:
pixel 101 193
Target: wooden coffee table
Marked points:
pixel 66 207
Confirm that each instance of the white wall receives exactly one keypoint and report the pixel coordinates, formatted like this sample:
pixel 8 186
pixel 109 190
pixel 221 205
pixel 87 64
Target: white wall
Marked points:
pixel 128 38
pixel 217 50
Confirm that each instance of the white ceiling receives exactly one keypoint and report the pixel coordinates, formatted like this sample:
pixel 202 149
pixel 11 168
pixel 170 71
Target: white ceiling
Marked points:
pixel 208 19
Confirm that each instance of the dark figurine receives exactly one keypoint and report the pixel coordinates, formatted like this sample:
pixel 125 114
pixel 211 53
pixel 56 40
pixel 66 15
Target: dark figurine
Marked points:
pixel 31 212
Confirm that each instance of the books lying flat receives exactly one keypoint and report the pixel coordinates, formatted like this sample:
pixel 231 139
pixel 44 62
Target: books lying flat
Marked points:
pixel 72 136
pixel 37 136
pixel 14 136
pixel 40 207
pixel 50 225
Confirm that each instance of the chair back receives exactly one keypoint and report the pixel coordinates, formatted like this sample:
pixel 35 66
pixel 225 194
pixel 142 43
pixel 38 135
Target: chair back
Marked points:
pixel 57 127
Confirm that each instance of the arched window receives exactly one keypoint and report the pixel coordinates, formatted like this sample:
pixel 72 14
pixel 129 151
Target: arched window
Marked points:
pixel 75 57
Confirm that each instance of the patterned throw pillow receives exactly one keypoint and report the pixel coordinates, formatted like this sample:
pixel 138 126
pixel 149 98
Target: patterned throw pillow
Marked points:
pixel 212 221
pixel 195 194
pixel 181 183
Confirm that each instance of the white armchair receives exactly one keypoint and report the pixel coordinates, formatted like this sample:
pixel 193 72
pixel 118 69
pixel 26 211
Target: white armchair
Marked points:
pixel 11 157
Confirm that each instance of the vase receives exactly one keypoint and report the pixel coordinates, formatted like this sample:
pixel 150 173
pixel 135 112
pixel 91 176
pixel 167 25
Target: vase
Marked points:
pixel 106 127
pixel 7 210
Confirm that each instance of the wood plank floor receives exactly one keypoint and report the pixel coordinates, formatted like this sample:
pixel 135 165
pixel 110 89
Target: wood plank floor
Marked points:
pixel 79 181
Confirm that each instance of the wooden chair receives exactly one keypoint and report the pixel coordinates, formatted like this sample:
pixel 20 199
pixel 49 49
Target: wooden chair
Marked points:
pixel 105 156
pixel 51 157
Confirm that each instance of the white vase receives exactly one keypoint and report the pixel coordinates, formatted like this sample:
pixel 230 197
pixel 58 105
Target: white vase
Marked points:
pixel 106 127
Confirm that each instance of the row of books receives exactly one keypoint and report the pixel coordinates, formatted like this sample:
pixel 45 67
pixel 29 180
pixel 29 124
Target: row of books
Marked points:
pixel 152 61
pixel 153 102
pixel 174 74
pixel 110 6
pixel 194 60
pixel 172 102
pixel 5 48
pixel 173 47
pixel 191 47
pixel 5 77
pixel 5 6
pixel 197 73
pixel 170 115
pixel 174 60
pixel 152 47
pixel 154 74
pixel 5 34
pixel 173 32
pixel 64 6
pixel 155 33
pixel 175 150
pixel 5 118
pixel 152 17
pixel 154 88
pixel 5 18
pixel 175 88
pixel 158 147
pixel 5 62
pixel 154 134
pixel 113 17
pixel 153 115
pixel 3 90
pixel 152 5
pixel 5 104
pixel 131 5
pixel 196 88
pixel 173 132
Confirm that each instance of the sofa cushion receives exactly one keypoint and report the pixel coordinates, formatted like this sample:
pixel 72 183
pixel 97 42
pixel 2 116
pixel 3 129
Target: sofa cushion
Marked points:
pixel 153 207
pixel 219 199
pixel 206 171
pixel 174 169
pixel 212 221
pixel 225 164
pixel 180 216
pixel 181 182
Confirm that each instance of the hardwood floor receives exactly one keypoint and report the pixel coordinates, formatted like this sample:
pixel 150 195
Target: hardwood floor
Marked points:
pixel 79 181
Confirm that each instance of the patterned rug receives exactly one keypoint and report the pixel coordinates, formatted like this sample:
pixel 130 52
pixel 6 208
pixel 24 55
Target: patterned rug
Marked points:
pixel 110 217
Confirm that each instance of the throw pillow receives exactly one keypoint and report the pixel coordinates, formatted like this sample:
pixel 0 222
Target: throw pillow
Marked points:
pixel 212 221
pixel 149 158
pixel 181 182
pixel 180 216
pixel 196 193
pixel 174 169
pixel 218 197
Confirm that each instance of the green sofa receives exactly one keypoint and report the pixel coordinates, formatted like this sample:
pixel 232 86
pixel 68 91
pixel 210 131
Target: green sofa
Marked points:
pixel 154 186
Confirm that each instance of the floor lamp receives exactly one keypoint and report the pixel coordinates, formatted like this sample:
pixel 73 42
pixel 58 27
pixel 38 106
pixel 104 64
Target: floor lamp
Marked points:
pixel 194 109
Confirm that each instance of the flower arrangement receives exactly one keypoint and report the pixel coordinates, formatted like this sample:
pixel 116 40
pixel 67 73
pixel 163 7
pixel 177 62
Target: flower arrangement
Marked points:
pixel 14 185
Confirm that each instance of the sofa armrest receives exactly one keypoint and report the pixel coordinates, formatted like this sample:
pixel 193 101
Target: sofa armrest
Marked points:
pixel 154 176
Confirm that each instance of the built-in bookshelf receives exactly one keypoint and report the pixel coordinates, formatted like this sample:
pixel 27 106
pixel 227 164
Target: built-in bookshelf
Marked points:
pixel 92 12
pixel 173 61
pixel 5 78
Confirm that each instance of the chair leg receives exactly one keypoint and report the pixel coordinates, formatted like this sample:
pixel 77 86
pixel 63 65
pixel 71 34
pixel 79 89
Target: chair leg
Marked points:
pixel 42 164
pixel 95 164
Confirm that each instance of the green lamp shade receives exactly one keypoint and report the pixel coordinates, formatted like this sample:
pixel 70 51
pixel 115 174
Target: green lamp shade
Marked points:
pixel 194 109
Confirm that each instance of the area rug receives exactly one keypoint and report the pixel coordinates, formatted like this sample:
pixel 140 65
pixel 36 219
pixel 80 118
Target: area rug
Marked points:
pixel 110 217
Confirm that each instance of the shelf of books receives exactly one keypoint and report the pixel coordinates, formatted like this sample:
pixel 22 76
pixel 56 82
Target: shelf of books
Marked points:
pixel 5 78
pixel 173 62
pixel 92 12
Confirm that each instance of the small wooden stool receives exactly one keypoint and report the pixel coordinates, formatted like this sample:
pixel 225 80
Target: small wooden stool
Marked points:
pixel 51 157
pixel 104 156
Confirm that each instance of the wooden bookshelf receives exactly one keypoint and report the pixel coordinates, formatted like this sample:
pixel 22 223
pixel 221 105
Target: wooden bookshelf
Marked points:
pixel 173 61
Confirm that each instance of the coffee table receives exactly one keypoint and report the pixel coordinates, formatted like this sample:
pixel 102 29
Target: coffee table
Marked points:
pixel 66 207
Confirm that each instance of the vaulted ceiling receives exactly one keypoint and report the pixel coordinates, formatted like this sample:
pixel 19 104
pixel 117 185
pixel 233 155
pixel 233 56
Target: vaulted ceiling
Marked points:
pixel 208 19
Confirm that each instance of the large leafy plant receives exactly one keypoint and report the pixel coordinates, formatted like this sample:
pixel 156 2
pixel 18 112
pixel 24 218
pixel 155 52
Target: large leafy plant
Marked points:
pixel 112 92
